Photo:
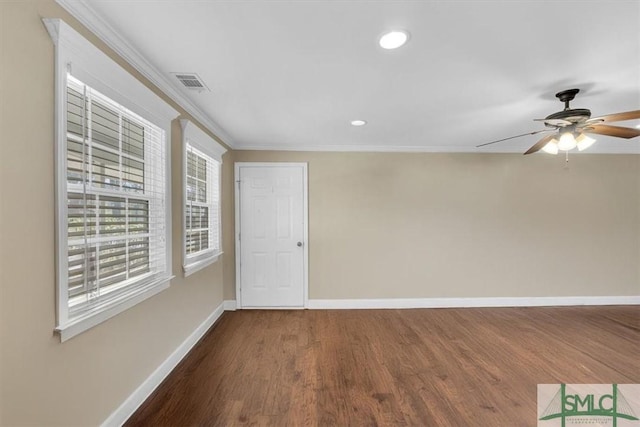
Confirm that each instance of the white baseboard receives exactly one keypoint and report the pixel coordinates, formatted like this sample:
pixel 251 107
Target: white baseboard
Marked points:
pixel 470 302
pixel 129 406
pixel 229 305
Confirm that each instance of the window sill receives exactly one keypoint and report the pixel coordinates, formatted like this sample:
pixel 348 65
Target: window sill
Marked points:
pixel 198 265
pixel 102 313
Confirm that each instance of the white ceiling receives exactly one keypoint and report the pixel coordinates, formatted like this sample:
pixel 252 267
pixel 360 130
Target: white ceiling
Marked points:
pixel 293 74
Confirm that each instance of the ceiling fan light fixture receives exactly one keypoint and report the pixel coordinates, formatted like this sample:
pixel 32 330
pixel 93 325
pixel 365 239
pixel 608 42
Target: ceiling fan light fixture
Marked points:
pixel 584 142
pixel 571 123
pixel 551 147
pixel 567 142
pixel 393 39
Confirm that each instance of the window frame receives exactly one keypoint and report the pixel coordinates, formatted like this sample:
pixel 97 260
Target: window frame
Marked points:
pixel 194 136
pixel 77 56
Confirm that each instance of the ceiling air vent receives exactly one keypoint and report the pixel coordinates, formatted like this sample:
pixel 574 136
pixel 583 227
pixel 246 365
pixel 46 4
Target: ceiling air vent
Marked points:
pixel 191 81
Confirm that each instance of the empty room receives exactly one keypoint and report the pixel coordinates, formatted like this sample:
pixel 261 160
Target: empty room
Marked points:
pixel 319 213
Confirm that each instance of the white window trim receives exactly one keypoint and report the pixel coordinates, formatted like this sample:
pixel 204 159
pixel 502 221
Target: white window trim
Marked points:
pixel 92 66
pixel 194 136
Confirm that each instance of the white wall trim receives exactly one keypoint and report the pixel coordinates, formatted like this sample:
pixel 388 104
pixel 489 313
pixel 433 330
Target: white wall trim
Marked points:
pixel 193 135
pixel 129 406
pixel 76 57
pixel 230 305
pixel 236 227
pixel 361 148
pixel 112 308
pixel 84 12
pixel 393 303
pixel 505 149
pixel 198 265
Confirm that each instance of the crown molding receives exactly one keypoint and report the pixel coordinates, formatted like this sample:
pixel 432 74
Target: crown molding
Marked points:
pixel 631 149
pixel 83 12
pixel 357 148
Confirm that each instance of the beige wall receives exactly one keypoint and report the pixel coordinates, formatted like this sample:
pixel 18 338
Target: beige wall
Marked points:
pixel 387 225
pixel 81 381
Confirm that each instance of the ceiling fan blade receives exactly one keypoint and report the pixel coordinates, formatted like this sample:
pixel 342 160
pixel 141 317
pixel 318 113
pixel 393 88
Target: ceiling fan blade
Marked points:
pixel 617 131
pixel 554 122
pixel 540 144
pixel 517 136
pixel 617 117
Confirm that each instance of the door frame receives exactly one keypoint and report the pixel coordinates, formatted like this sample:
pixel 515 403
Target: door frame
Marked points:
pixel 305 227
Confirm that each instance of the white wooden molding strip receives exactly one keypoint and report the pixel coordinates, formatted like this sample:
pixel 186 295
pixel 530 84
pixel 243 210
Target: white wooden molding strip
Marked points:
pixel 129 406
pixel 230 305
pixel 504 149
pixel 84 12
pixel 471 302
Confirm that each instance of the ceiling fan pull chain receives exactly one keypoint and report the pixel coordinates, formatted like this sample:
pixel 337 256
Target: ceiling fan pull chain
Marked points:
pixel 566 161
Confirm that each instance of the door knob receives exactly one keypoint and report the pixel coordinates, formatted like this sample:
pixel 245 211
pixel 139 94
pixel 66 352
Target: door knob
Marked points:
pixel 299 244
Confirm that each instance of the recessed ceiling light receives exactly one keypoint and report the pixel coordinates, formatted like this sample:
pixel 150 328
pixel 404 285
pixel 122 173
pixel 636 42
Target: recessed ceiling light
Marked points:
pixel 358 123
pixel 393 39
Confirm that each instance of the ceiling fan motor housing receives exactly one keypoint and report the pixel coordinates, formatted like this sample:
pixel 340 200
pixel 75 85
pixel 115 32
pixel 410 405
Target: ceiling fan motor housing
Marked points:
pixel 574 115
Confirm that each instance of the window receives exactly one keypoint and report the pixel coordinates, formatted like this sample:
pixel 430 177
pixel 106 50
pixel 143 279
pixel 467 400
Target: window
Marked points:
pixel 113 203
pixel 201 209
pixel 115 192
pixel 202 162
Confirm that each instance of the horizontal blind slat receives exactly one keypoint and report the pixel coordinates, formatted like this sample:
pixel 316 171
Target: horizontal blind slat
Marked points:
pixel 116 190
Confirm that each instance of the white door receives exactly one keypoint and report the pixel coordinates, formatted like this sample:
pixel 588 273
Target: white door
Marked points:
pixel 271 238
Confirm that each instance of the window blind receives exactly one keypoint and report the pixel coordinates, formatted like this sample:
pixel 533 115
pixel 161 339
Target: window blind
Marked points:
pixel 202 210
pixel 115 198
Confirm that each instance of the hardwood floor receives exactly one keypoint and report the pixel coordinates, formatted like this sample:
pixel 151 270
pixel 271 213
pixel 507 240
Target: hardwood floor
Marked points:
pixel 423 367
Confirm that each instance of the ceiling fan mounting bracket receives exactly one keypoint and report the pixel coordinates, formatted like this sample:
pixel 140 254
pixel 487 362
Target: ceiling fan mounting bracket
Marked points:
pixel 566 96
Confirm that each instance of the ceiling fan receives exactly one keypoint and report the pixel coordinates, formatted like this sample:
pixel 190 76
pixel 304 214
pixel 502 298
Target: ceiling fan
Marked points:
pixel 571 126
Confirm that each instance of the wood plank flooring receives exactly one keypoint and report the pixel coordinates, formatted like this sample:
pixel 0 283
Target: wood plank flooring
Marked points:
pixel 422 367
